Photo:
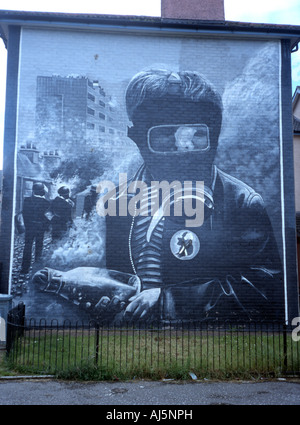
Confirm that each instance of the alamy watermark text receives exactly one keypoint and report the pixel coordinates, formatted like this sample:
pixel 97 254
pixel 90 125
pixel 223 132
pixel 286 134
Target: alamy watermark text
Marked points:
pixel 160 198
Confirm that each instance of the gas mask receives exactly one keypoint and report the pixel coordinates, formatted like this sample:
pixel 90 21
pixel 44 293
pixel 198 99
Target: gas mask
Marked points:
pixel 174 154
pixel 181 153
pixel 178 139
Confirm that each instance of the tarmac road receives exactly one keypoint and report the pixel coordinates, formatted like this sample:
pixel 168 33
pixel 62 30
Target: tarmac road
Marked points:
pixel 148 393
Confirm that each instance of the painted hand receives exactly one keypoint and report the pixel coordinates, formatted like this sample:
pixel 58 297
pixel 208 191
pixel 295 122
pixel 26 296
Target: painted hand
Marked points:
pixel 141 304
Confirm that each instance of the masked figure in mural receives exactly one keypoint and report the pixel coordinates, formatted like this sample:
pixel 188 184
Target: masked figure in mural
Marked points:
pixel 225 266
pixel 36 223
pixel 61 208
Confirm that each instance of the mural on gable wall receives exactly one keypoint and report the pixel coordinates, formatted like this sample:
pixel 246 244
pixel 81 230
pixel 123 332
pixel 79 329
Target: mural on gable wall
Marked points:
pixel 97 137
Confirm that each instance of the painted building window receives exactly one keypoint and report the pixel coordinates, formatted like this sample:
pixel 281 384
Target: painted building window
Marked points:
pixel 90 111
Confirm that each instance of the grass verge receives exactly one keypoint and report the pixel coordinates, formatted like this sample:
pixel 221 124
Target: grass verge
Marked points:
pixel 122 354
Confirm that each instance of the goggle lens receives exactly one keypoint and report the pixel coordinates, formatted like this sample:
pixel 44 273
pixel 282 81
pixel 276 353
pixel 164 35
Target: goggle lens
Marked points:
pixel 179 138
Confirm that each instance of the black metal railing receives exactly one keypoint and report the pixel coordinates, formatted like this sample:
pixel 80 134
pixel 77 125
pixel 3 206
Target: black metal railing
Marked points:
pixel 147 349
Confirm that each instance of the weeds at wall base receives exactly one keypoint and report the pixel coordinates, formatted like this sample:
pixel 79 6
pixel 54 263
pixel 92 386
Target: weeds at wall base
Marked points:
pixel 91 372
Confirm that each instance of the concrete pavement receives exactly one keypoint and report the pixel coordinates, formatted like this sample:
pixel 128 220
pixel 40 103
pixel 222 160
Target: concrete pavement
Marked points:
pixel 38 391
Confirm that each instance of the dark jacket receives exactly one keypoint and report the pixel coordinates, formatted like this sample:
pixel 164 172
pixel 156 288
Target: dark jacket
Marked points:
pixel 237 272
pixel 34 209
pixel 62 213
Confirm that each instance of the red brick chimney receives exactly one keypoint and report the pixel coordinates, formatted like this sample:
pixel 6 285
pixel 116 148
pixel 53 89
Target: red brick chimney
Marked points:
pixel 211 10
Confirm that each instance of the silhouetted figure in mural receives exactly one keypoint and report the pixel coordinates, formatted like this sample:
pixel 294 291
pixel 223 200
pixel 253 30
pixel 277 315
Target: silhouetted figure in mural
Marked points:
pixel 61 208
pixel 90 203
pixel 36 223
pixel 230 267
